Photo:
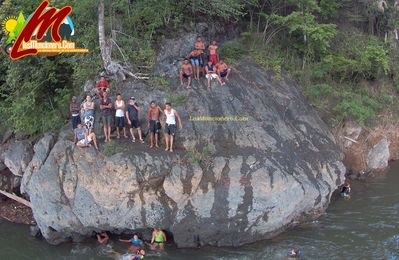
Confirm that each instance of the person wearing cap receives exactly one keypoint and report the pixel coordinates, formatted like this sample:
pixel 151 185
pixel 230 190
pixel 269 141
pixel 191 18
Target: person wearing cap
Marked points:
pixel 132 115
pixel 169 117
pixel 153 124
pixel 74 108
pixel 102 86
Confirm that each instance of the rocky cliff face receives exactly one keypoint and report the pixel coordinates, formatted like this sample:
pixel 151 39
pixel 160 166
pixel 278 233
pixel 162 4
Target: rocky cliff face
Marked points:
pixel 276 169
pixel 368 150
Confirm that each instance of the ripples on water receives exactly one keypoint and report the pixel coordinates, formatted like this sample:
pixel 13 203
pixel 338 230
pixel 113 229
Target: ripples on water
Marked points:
pixel 364 227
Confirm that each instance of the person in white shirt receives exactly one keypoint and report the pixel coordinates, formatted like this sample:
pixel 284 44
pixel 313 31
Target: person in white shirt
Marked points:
pixel 120 116
pixel 169 117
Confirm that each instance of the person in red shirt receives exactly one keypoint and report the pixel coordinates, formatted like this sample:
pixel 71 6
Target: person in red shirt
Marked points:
pixel 213 55
pixel 102 86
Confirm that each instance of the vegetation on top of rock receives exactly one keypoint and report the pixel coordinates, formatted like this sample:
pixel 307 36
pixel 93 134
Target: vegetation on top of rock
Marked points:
pixel 347 45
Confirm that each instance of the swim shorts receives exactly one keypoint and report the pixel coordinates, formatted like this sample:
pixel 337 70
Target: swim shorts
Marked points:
pixel 120 121
pixel 223 73
pixel 170 130
pixel 107 120
pixel 194 61
pixel 154 126
pixel 134 124
pixel 211 76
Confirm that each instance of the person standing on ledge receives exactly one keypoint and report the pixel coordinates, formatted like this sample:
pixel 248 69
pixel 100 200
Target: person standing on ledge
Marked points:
pixel 106 108
pixel 88 114
pixel 213 55
pixel 186 72
pixel 153 124
pixel 170 126
pixel 200 46
pixel 132 115
pixel 74 108
pixel 195 61
pixel 158 239
pixel 120 116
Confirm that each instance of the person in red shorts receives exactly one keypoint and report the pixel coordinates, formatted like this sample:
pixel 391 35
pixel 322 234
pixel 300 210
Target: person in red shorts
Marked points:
pixel 213 54
pixel 102 86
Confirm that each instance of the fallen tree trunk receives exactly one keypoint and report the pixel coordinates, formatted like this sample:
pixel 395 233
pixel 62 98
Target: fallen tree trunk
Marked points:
pixel 16 198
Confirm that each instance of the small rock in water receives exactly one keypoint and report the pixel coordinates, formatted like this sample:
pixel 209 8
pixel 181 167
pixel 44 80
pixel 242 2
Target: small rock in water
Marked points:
pixel 34 231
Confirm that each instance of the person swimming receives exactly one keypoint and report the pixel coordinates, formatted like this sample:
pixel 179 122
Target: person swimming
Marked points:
pixel 139 255
pixel 136 243
pixel 158 239
pixel 295 253
pixel 346 190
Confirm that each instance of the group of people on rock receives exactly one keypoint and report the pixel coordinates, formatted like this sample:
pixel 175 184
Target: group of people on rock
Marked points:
pixel 137 245
pixel 122 112
pixel 200 63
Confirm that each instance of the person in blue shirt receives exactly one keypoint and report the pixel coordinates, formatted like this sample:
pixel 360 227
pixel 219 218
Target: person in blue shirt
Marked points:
pixel 136 243
pixel 83 138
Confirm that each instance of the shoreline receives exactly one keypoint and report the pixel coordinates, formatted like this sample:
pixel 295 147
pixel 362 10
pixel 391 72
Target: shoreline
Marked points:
pixel 15 212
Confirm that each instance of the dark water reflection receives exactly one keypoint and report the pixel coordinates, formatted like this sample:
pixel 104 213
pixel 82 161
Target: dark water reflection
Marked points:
pixel 364 227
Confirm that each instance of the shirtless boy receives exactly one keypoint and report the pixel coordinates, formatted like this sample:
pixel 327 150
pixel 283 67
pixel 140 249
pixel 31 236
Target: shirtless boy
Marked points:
pixel 213 55
pixel 154 112
pixel 195 56
pixel 200 46
pixel 186 72
pixel 223 70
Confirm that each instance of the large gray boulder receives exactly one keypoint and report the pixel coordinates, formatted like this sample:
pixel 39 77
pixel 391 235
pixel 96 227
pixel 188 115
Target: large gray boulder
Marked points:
pixel 275 169
pixel 41 151
pixel 17 157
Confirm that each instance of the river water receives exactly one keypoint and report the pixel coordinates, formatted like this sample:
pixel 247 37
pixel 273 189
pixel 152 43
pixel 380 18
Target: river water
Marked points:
pixel 364 227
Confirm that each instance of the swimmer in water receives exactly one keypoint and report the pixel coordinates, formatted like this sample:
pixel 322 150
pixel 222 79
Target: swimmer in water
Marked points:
pixel 138 256
pixel 158 239
pixel 102 238
pixel 346 190
pixel 295 253
pixel 136 243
